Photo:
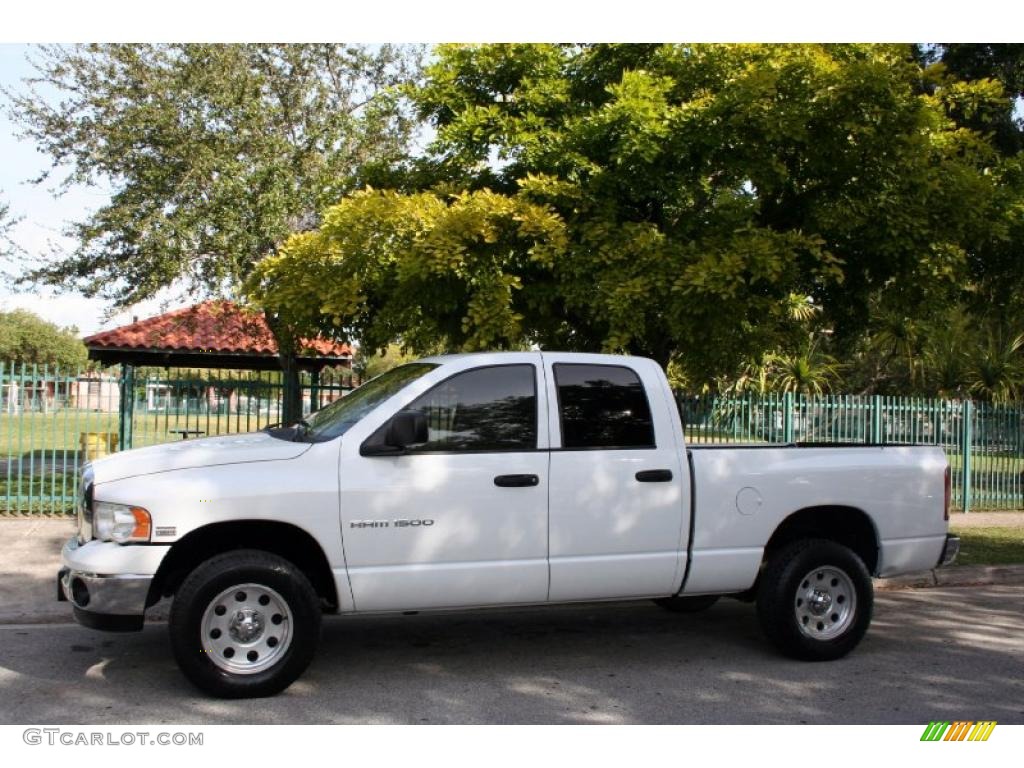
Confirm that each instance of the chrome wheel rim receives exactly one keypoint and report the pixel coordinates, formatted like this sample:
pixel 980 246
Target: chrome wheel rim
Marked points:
pixel 825 603
pixel 246 628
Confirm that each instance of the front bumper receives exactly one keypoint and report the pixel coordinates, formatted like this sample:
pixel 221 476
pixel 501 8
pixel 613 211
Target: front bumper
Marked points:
pixel 950 550
pixel 115 602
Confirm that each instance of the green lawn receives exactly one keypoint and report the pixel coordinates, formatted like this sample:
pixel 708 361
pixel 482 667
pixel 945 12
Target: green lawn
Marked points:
pixel 990 546
pixel 40 452
pixel 1000 462
pixel 39 493
pixel 59 431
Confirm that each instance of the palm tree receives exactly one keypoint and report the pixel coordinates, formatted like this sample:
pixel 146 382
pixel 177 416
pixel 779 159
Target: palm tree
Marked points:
pixel 995 371
pixel 944 358
pixel 754 377
pixel 810 372
pixel 800 308
pixel 896 338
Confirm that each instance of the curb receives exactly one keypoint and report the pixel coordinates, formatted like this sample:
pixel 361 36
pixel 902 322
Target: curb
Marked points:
pixel 956 576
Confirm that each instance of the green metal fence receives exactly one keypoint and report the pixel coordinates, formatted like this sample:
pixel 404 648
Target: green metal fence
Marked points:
pixel 983 442
pixel 53 421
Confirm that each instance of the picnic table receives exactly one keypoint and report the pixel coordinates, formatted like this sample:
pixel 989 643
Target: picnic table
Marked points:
pixel 184 432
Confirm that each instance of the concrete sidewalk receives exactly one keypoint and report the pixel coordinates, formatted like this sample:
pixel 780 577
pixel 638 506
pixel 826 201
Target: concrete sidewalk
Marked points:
pixel 999 519
pixel 966 575
pixel 31 558
pixel 29 563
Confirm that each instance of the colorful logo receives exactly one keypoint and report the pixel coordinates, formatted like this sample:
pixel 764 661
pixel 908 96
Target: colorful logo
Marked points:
pixel 961 730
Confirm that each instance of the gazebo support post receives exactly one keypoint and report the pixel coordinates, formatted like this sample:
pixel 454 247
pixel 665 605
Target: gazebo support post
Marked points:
pixel 127 406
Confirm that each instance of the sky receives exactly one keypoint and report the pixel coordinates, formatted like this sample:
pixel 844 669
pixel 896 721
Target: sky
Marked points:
pixel 44 218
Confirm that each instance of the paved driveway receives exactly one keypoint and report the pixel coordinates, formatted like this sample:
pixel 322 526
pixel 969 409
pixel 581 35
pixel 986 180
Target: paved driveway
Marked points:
pixel 931 654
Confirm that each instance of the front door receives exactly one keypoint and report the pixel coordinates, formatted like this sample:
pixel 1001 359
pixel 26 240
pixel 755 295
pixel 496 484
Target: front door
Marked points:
pixel 460 520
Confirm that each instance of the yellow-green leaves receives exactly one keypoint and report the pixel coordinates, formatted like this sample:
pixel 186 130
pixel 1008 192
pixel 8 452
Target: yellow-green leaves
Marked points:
pixel 386 265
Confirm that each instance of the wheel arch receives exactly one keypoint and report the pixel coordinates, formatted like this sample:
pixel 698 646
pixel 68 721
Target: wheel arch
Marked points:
pixel 850 526
pixel 284 539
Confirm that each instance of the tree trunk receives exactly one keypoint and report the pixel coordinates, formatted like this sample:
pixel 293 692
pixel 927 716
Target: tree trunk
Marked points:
pixel 291 392
pixel 291 397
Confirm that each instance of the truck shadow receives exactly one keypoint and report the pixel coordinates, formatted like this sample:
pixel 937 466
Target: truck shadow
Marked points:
pixel 931 654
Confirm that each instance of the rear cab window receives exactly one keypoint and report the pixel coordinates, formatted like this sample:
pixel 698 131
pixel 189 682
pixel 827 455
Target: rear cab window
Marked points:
pixel 602 407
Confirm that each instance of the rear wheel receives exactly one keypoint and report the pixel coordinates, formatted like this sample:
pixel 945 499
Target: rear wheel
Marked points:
pixel 686 603
pixel 815 600
pixel 245 624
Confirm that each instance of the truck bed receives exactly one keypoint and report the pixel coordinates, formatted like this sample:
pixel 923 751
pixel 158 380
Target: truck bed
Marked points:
pixel 743 492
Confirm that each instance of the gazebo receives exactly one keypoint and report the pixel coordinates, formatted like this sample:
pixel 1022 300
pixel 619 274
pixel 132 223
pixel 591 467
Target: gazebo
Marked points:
pixel 217 334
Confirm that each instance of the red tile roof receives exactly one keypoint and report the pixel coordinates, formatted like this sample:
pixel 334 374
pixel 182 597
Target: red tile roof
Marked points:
pixel 216 326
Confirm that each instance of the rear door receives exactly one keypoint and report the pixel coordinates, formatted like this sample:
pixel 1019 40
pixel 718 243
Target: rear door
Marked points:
pixel 619 486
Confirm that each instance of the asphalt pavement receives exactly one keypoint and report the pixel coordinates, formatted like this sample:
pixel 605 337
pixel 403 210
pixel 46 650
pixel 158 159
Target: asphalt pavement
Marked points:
pixel 941 653
pixel 931 654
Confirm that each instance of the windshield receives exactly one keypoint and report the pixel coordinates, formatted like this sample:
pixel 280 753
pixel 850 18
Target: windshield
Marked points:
pixel 338 417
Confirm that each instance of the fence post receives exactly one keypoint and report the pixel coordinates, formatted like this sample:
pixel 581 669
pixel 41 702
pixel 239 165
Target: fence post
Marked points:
pixel 967 437
pixel 876 420
pixel 787 417
pixel 127 406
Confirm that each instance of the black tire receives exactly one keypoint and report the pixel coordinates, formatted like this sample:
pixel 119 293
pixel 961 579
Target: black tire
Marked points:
pixel 815 629
pixel 686 603
pixel 300 615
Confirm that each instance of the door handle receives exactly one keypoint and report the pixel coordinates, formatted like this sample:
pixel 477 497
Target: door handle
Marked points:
pixel 654 476
pixel 516 481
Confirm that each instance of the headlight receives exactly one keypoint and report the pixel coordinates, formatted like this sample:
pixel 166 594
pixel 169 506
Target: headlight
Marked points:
pixel 120 522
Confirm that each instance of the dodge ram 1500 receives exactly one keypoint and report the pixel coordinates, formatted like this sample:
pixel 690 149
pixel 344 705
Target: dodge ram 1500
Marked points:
pixel 492 479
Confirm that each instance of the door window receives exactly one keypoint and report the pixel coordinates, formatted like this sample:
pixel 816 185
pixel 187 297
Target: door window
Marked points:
pixel 485 409
pixel 602 406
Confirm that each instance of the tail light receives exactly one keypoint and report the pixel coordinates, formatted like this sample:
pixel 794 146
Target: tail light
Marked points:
pixel 948 494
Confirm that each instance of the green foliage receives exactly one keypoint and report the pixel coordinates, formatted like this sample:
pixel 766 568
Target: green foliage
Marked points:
pixel 976 61
pixel 369 365
pixel 995 368
pixel 7 222
pixel 808 372
pixel 27 338
pixel 213 154
pixel 668 200
pixel 1001 63
pixel 417 268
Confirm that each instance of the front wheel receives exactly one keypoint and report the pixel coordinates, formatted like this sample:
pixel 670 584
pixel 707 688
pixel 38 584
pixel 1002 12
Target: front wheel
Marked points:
pixel 815 600
pixel 245 624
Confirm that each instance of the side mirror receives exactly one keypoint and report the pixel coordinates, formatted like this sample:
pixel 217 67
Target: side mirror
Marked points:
pixel 406 428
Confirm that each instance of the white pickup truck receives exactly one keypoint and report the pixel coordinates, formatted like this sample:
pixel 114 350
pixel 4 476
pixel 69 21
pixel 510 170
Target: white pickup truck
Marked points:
pixel 494 479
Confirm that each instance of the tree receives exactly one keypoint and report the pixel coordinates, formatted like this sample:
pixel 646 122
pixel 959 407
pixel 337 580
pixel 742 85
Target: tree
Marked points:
pixel 368 365
pixel 667 200
pixel 420 269
pixel 27 338
pixel 995 276
pixel 213 155
pixel 995 370
pixel 1001 62
pixel 808 372
pixel 7 222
